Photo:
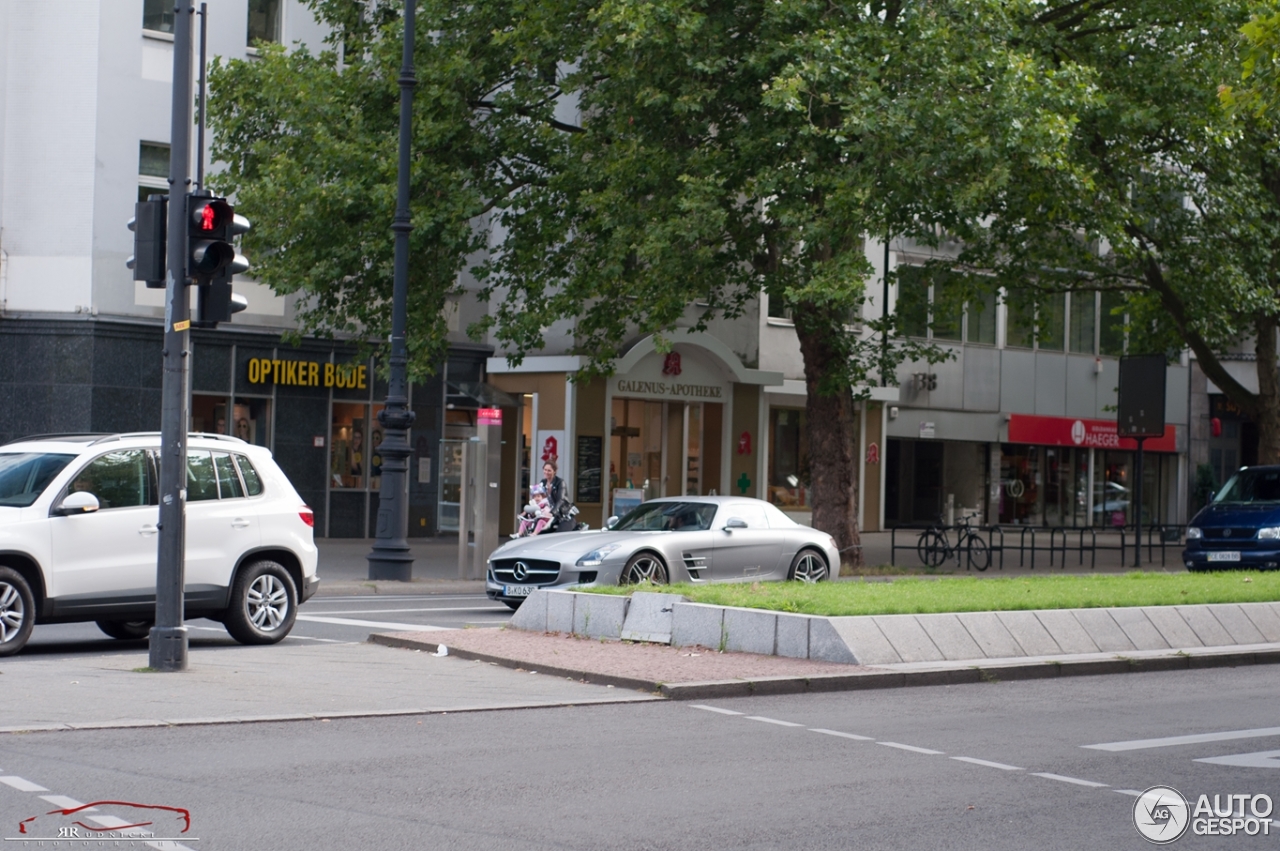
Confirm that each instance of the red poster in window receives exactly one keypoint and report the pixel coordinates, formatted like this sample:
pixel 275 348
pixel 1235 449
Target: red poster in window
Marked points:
pixel 744 443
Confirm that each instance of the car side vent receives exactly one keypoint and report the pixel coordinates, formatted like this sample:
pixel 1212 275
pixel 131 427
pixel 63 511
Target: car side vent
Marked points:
pixel 694 564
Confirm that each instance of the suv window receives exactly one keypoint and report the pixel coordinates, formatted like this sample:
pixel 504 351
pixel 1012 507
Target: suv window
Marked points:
pixel 229 486
pixel 118 479
pixel 252 481
pixel 202 482
pixel 25 475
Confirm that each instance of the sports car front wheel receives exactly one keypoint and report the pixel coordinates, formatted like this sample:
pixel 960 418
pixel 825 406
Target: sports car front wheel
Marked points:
pixel 809 566
pixel 644 567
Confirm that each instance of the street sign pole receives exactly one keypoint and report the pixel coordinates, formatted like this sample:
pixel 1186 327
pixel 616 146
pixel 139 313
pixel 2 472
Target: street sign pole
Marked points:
pixel 168 640
pixel 1137 522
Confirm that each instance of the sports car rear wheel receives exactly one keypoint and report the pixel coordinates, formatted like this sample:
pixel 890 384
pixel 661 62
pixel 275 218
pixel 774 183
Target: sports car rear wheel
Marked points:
pixel 809 566
pixel 644 567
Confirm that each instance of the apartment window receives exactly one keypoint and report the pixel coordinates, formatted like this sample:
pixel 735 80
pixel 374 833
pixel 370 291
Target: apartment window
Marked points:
pixel 946 307
pixel 982 320
pixel 1111 326
pixel 157 15
pixel 153 169
pixel 1035 320
pixel 913 301
pixel 1084 310
pixel 778 308
pixel 264 21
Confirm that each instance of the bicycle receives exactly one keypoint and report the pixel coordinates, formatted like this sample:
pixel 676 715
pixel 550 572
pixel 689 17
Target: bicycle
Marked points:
pixel 934 546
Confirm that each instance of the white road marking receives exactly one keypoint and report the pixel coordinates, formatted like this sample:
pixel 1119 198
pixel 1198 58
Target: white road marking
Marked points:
pixel 1261 759
pixel 911 748
pixel 398 627
pixel 853 736
pixel 1131 792
pixel 713 709
pixel 773 721
pixel 987 763
pixel 22 785
pixel 1064 779
pixel 1170 741
pixel 63 802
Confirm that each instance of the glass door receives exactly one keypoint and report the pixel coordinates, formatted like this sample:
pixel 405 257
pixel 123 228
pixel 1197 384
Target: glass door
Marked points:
pixel 450 501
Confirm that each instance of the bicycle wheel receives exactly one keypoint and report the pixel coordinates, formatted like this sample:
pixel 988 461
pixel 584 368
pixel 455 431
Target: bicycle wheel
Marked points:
pixel 979 553
pixel 931 547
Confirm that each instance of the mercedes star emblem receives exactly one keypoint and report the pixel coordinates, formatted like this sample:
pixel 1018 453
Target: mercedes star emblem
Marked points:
pixel 520 571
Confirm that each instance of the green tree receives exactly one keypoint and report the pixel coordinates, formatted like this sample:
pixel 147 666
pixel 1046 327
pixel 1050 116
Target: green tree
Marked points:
pixel 1175 202
pixel 625 161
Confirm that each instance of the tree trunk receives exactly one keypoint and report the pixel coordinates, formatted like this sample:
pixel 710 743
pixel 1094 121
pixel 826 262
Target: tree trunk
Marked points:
pixel 1268 399
pixel 832 430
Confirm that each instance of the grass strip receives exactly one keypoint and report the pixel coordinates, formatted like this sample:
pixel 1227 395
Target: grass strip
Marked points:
pixel 913 596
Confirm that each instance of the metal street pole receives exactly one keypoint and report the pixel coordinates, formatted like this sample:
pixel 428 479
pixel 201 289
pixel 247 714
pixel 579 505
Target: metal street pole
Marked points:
pixel 168 645
pixel 391 558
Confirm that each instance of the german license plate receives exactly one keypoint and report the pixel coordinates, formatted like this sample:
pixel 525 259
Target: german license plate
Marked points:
pixel 1227 555
pixel 526 590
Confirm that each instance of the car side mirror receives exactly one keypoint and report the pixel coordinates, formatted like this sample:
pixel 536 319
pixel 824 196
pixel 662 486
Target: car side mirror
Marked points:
pixel 611 522
pixel 80 502
pixel 735 523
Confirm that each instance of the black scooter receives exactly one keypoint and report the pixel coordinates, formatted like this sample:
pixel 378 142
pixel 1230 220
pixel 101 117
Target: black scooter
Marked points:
pixel 565 520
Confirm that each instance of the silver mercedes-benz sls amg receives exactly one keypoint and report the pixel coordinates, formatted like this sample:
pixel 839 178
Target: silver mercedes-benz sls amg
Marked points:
pixel 674 539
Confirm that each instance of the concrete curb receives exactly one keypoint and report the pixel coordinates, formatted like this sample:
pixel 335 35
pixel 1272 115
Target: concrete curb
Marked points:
pixel 386 588
pixel 888 640
pixel 901 676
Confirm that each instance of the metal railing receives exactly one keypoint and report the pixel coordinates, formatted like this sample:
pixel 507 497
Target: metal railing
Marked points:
pixel 1062 541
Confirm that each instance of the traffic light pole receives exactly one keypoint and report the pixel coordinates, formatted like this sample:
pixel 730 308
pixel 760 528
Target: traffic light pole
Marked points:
pixel 168 646
pixel 391 558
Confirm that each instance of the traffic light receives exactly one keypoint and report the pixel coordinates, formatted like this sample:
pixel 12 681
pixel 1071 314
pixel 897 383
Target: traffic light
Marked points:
pixel 149 232
pixel 213 259
pixel 209 248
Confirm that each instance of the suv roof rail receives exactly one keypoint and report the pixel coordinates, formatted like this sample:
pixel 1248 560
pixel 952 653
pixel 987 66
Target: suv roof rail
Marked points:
pixel 84 435
pixel 227 437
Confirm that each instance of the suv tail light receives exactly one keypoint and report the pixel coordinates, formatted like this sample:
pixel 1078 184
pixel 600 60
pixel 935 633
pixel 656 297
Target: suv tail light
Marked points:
pixel 308 516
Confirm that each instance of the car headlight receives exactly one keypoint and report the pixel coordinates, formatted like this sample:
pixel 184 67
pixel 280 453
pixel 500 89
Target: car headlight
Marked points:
pixel 1269 533
pixel 1194 534
pixel 599 554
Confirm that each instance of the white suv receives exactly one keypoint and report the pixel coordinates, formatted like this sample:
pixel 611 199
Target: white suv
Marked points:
pixel 78 536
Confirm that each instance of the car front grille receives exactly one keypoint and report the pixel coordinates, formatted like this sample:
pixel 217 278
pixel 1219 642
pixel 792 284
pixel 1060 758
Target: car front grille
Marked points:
pixel 1229 534
pixel 525 571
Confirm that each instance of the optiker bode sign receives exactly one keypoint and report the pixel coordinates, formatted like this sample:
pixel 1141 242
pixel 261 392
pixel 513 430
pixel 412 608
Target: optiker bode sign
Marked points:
pixel 1087 434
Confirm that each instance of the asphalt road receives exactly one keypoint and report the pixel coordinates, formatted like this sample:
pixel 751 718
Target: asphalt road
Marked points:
pixel 992 766
pixel 326 619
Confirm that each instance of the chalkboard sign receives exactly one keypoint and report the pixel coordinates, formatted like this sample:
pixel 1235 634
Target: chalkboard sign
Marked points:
pixel 587 469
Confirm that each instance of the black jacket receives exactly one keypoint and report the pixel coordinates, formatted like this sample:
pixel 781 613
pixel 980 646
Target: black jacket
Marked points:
pixel 555 493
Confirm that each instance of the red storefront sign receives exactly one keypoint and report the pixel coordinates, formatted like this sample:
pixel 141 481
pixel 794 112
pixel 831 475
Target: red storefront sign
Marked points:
pixel 489 417
pixel 1091 434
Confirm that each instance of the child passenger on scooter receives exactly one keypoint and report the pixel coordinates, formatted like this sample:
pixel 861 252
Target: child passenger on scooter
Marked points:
pixel 537 514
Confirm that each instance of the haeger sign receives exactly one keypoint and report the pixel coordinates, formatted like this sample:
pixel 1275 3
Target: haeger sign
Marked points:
pixel 1093 434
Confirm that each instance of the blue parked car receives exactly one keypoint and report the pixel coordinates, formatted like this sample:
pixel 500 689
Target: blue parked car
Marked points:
pixel 1241 527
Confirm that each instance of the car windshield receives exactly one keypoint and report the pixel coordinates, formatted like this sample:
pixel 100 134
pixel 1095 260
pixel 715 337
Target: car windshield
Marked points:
pixel 1258 485
pixel 668 517
pixel 25 475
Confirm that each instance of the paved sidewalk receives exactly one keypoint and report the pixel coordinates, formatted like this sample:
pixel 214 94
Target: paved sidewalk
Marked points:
pixel 280 683
pixel 344 569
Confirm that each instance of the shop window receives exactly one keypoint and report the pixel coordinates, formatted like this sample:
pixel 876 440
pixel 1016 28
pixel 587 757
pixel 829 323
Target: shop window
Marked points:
pixel 1111 327
pixel 347 456
pixel 118 480
pixel 153 162
pixel 636 446
pixel 157 15
pixel 788 458
pixel 982 320
pixel 209 414
pixel 1020 485
pixel 1084 311
pixel 264 21
pixel 251 421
